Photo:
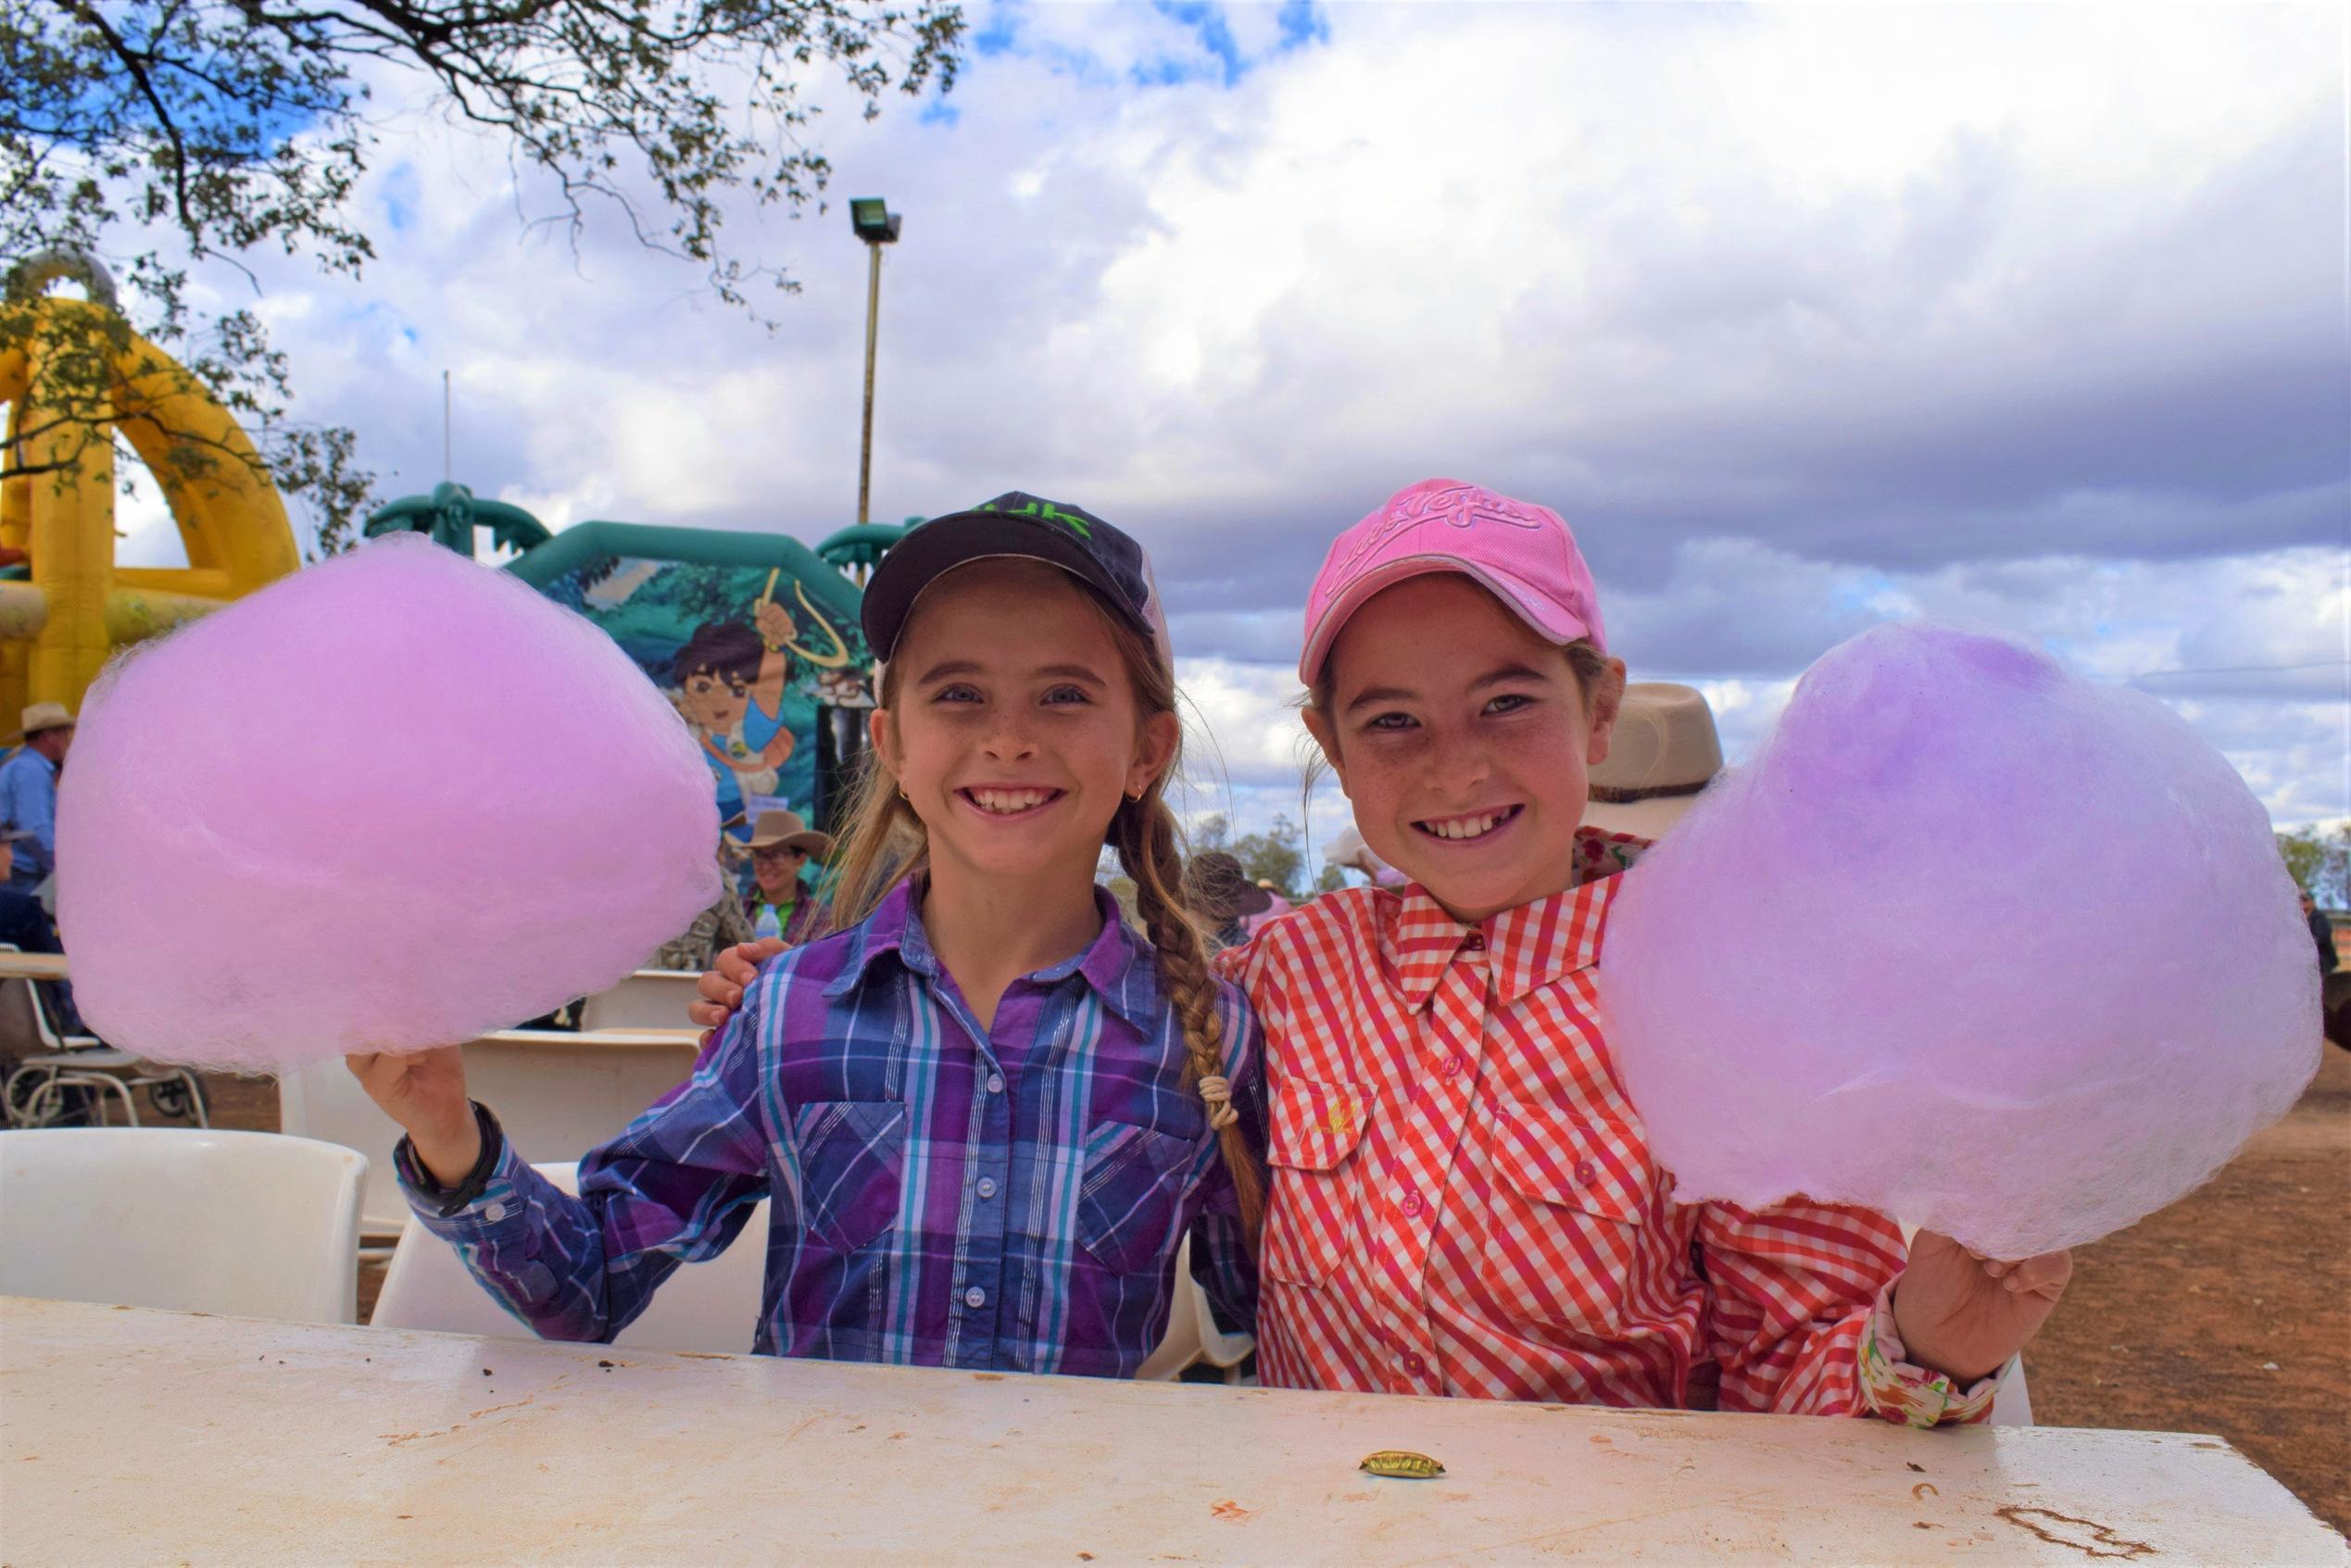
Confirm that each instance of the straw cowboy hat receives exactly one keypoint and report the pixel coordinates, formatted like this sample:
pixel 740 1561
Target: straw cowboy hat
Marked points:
pixel 772 828
pixel 1664 752
pixel 43 716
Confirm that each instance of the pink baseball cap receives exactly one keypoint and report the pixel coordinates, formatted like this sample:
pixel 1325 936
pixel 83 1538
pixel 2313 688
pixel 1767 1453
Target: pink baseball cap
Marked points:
pixel 1522 552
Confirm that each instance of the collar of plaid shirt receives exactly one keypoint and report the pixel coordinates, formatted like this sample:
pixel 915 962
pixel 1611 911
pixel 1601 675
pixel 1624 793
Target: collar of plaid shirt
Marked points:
pixel 1108 966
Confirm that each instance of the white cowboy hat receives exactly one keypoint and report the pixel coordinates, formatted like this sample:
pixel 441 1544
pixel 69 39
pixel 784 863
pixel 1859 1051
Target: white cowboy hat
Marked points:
pixel 43 716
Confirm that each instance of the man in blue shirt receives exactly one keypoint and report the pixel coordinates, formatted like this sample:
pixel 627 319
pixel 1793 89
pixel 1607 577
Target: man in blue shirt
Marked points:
pixel 29 794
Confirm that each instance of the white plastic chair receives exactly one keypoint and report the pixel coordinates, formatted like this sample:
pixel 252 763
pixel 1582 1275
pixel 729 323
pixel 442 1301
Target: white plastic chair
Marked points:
pixel 710 1306
pixel 651 999
pixel 322 1101
pixel 557 1093
pixel 1193 1336
pixel 246 1224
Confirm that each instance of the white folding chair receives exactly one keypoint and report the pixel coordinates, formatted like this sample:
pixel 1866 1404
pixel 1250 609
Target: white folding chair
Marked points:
pixel 1192 1337
pixel 651 999
pixel 709 1306
pixel 34 1093
pixel 246 1224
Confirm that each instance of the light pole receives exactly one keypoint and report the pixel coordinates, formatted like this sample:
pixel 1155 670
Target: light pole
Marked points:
pixel 877 226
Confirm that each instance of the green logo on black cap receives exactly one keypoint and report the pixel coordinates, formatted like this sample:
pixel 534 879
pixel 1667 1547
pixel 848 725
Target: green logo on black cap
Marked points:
pixel 1043 511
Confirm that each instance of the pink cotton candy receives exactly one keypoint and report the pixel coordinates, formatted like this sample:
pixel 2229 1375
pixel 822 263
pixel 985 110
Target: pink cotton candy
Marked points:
pixel 391 802
pixel 1973 942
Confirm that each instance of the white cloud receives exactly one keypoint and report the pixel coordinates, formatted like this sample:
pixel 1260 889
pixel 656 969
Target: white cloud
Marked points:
pixel 1807 316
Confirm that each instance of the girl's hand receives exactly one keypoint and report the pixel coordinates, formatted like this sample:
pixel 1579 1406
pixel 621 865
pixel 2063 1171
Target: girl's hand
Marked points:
pixel 1962 1314
pixel 721 988
pixel 424 1092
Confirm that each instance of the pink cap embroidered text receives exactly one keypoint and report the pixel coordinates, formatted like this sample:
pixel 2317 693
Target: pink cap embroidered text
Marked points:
pixel 1523 553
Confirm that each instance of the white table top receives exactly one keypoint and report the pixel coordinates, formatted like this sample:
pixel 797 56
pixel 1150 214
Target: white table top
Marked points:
pixel 132 1435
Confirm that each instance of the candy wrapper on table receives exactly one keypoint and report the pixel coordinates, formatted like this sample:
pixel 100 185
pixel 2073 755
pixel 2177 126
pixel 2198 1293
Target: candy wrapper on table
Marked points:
pixel 1972 941
pixel 391 802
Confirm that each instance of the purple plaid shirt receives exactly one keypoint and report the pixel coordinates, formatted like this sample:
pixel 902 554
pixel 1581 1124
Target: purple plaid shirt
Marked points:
pixel 943 1195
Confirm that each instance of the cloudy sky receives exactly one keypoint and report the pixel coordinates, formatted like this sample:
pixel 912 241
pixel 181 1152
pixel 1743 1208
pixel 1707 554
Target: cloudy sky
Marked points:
pixel 1804 318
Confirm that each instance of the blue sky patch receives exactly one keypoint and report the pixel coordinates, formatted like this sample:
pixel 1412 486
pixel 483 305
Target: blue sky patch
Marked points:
pixel 1208 24
pixel 402 196
pixel 1216 54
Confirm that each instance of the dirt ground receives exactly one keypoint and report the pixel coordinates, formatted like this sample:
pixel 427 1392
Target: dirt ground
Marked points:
pixel 2230 1312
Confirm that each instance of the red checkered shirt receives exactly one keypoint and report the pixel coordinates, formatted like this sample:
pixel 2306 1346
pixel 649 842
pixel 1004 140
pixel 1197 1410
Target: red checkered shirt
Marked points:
pixel 1463 1202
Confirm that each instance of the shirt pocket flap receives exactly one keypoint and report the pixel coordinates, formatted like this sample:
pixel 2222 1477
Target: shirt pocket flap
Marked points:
pixel 1128 1199
pixel 1316 1124
pixel 1572 1161
pixel 851 1157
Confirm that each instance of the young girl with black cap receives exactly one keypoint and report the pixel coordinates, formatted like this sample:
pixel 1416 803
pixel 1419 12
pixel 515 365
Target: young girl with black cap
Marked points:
pixel 986 1113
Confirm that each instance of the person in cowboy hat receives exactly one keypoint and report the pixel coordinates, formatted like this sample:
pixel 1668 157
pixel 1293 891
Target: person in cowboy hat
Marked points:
pixel 1664 752
pixel 1220 893
pixel 29 794
pixel 780 904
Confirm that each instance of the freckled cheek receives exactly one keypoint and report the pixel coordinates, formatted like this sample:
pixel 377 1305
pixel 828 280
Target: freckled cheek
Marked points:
pixel 1545 769
pixel 1382 774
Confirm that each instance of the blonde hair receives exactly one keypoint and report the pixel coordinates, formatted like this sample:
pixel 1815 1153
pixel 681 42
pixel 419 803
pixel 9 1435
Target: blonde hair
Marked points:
pixel 886 843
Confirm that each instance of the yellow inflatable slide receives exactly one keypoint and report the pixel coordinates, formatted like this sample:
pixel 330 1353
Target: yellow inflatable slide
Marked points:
pixel 64 605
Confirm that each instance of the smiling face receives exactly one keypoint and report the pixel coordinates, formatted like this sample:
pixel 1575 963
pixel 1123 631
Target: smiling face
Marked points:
pixel 1013 724
pixel 777 870
pixel 1463 741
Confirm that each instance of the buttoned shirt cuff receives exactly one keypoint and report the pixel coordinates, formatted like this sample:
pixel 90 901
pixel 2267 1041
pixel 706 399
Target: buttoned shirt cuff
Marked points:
pixel 485 1198
pixel 1899 1390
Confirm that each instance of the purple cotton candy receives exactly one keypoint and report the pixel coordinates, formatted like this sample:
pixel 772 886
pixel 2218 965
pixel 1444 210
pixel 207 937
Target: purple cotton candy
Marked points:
pixel 394 801
pixel 1972 942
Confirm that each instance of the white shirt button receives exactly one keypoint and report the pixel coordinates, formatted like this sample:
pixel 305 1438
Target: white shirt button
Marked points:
pixel 987 1187
pixel 976 1297
pixel 494 1212
pixel 996 1083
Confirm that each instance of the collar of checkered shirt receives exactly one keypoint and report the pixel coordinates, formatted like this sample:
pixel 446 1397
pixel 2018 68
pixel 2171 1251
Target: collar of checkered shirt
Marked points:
pixel 1529 947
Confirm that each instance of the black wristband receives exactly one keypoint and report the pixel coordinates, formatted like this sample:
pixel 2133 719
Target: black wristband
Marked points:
pixel 454 1200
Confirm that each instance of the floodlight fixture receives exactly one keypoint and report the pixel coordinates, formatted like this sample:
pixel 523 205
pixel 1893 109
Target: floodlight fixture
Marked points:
pixel 872 220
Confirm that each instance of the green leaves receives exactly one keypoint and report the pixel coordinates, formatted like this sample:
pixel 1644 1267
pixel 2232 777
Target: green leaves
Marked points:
pixel 161 135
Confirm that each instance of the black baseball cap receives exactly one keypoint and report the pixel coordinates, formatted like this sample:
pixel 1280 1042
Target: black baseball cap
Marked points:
pixel 1020 526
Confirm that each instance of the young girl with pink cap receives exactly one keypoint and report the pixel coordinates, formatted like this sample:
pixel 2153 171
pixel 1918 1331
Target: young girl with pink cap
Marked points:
pixel 1461 1198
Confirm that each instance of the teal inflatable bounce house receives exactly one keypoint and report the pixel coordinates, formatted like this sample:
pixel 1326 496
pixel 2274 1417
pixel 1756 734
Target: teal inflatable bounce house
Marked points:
pixel 754 637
